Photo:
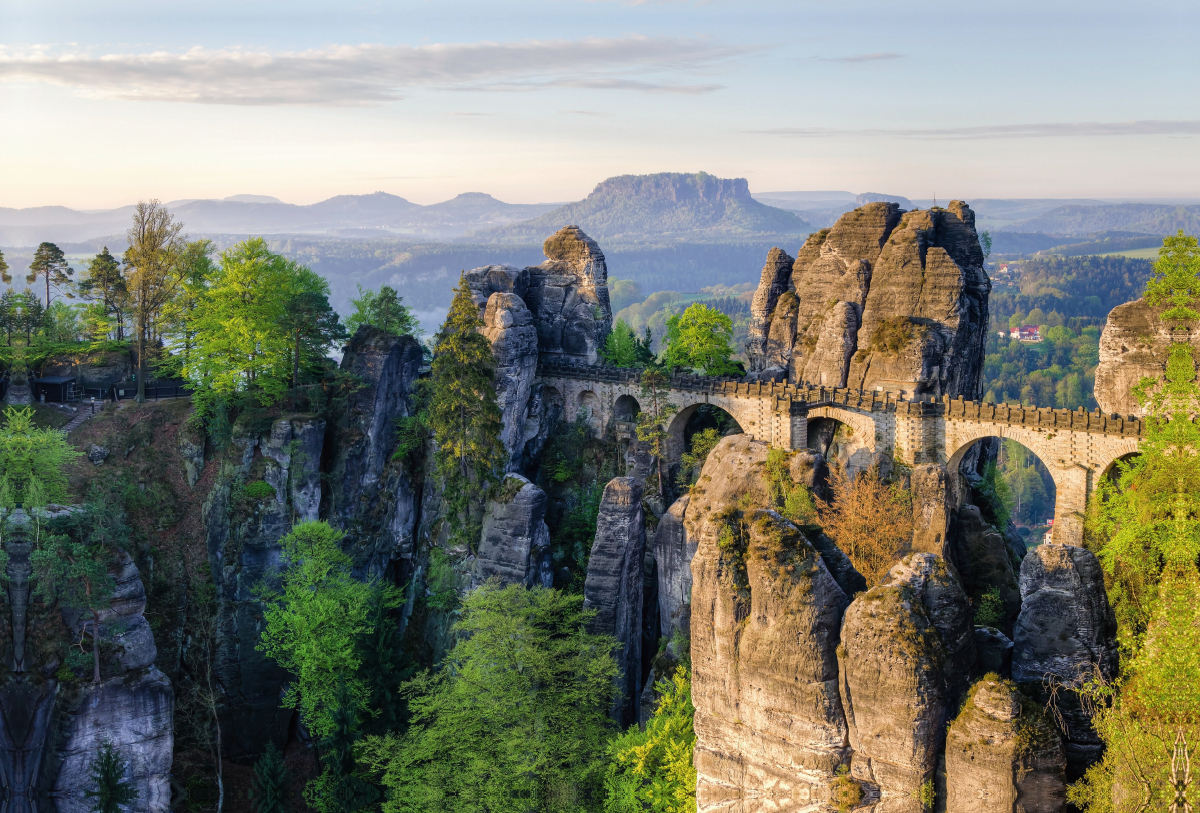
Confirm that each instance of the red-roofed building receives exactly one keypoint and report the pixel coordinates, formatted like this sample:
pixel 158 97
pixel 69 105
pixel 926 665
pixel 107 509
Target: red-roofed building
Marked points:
pixel 1026 333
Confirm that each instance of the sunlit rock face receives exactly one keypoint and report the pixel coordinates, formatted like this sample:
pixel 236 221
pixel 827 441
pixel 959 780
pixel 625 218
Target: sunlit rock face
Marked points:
pixel 883 299
pixel 1133 346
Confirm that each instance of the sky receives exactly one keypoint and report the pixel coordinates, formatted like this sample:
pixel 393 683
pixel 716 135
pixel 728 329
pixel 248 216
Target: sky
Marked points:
pixel 103 104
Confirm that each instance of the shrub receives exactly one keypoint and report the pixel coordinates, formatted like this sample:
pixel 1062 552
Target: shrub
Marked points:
pixel 870 520
pixel 257 490
pixel 989 610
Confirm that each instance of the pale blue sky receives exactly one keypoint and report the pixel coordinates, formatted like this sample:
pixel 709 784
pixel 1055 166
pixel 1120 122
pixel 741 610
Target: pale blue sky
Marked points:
pixel 105 103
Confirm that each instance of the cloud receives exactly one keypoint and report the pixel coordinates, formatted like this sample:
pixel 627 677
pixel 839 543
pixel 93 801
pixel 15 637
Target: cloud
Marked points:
pixel 1002 131
pixel 862 57
pixel 371 74
pixel 583 113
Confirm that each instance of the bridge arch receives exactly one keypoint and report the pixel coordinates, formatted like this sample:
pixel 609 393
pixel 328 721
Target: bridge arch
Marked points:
pixel 677 428
pixel 846 438
pixel 626 408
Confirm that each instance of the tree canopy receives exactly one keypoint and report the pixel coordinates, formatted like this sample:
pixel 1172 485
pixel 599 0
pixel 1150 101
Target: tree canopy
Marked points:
pixel 698 339
pixel 385 310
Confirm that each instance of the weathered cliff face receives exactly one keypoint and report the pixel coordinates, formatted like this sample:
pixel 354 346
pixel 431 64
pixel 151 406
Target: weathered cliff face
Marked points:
pixel 567 295
pixel 514 545
pixel 673 553
pixel 1133 346
pixel 883 299
pixel 614 585
pixel 508 325
pixel 765 615
pixel 372 498
pixel 1003 755
pixel 1066 632
pixel 244 552
pixel 907 647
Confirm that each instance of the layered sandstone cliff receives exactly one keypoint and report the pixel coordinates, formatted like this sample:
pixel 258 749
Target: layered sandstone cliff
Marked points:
pixel 883 299
pixel 1133 347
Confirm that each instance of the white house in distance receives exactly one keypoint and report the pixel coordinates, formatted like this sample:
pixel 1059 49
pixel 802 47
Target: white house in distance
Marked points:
pixel 1026 333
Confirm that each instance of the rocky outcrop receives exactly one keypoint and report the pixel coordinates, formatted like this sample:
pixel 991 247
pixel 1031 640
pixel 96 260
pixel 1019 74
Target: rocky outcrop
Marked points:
pixel 776 277
pixel 133 712
pixel 567 295
pixel 614 584
pixel 884 299
pixel 514 545
pixel 765 619
pixel 508 325
pixel 1066 633
pixel 993 651
pixel 1133 346
pixel 1003 755
pixel 932 508
pixel 673 553
pixel 907 644
pixel 983 560
pixel 372 498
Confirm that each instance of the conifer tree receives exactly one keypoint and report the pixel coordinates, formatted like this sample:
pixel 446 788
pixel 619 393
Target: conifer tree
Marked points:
pixel 4 275
pixel 104 284
pixel 50 263
pixel 463 413
pixel 268 789
pixel 385 310
pixel 113 791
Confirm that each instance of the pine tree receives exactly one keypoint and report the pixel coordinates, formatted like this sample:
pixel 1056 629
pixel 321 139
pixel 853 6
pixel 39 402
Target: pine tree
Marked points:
pixel 50 263
pixel 113 791
pixel 463 413
pixel 104 284
pixel 268 789
pixel 4 275
pixel 385 310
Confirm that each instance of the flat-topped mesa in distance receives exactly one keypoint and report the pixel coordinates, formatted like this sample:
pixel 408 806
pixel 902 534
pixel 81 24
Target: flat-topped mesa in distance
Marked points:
pixel 884 300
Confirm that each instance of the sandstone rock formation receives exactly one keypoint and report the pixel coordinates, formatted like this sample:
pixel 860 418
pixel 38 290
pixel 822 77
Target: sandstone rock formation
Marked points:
pixel 372 498
pixel 673 553
pixel 884 299
pixel 932 508
pixel 1066 633
pixel 567 295
pixel 993 650
pixel 614 584
pixel 982 557
pixel 1003 755
pixel 508 325
pixel 514 545
pixel 1133 346
pixel 907 645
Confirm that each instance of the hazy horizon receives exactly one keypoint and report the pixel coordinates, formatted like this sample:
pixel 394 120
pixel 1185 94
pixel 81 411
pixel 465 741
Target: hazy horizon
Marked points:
pixel 540 101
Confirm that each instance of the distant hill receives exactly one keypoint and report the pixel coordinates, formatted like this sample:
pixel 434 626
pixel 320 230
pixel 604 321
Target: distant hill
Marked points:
pixel 1145 218
pixel 662 208
pixel 386 215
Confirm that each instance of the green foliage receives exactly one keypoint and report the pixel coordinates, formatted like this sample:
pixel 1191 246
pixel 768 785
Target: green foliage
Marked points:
pixel 464 415
pixel 576 465
pixel 703 442
pixel 516 719
pixel 892 335
pixel 383 309
pixel 927 795
pixel 989 610
pixel 996 490
pixel 623 349
pixel 339 788
pixel 1059 371
pixel 623 292
pixel 384 666
pixel 1079 288
pixel 1176 280
pixel 313 627
pixel 793 500
pixel 104 285
pixel 32 462
pixel 698 339
pixel 442 582
pixel 259 490
pixel 652 770
pixel 259 318
pixel 846 793
pixel 269 787
pixel 652 420
pixel 107 773
pixel 50 264
pixel 411 433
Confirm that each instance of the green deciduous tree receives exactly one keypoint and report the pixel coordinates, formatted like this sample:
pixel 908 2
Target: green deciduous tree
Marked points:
pixel 698 339
pixel 152 275
pixel 385 310
pixel 311 323
pixel 652 770
pixel 112 791
pixel 196 271
pixel 463 414
pixel 50 264
pixel 32 462
pixel 517 718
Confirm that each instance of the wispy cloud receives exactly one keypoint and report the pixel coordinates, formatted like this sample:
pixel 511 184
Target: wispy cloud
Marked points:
pixel 372 74
pixel 1045 130
pixel 862 57
pixel 583 113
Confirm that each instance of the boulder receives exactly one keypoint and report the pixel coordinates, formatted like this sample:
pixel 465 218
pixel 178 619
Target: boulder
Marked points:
pixel 96 455
pixel 765 624
pixel 508 325
pixel 673 553
pixel 897 676
pixel 1066 633
pixel 614 585
pixel 514 545
pixel 1003 755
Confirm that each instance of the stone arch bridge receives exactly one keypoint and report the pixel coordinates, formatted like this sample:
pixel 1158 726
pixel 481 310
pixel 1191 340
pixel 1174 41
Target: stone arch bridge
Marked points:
pixel 1078 447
